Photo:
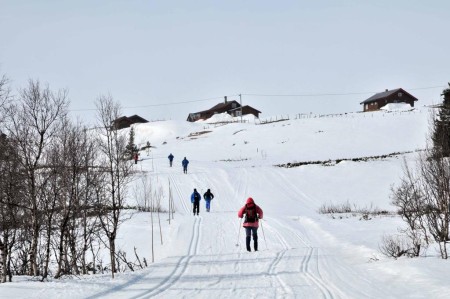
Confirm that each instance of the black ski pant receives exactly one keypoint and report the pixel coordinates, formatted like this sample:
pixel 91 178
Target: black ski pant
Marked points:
pixel 196 207
pixel 249 231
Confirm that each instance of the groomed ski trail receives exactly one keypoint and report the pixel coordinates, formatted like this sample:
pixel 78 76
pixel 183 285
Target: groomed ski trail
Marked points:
pixel 288 265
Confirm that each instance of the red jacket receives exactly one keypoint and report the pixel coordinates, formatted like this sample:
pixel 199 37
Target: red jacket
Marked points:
pixel 259 212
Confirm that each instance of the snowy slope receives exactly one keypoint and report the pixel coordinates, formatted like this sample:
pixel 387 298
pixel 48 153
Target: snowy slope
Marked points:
pixel 302 254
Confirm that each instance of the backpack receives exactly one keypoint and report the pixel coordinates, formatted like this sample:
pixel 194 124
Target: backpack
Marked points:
pixel 250 214
pixel 208 196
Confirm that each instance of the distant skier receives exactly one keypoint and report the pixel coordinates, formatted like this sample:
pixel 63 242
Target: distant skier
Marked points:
pixel 208 196
pixel 185 163
pixel 170 159
pixel 136 157
pixel 148 148
pixel 251 223
pixel 195 199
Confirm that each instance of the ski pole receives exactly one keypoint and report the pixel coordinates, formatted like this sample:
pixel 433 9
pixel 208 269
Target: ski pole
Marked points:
pixel 239 232
pixel 262 228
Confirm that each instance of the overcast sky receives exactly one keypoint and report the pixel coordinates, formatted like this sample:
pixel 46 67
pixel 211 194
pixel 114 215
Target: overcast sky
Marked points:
pixel 160 52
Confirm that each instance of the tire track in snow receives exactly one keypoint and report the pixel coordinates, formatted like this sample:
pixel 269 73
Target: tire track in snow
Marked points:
pixel 181 266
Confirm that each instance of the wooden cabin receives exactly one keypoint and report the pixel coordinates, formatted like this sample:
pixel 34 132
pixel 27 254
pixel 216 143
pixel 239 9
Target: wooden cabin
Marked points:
pixel 126 122
pixel 381 99
pixel 231 107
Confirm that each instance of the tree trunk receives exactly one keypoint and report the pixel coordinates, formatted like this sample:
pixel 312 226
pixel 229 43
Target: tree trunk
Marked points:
pixel 47 253
pixel 112 253
pixel 3 255
pixel 73 251
pixel 61 253
pixel 34 271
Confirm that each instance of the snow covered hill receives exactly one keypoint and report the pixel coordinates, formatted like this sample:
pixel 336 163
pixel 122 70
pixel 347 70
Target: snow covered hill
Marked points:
pixel 303 254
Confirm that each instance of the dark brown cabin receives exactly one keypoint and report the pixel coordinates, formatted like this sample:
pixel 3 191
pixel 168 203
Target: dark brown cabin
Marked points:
pixel 381 99
pixel 126 122
pixel 233 108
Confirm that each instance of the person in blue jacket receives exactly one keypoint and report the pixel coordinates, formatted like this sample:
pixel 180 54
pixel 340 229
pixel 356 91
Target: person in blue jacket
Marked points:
pixel 195 199
pixel 170 159
pixel 208 196
pixel 185 163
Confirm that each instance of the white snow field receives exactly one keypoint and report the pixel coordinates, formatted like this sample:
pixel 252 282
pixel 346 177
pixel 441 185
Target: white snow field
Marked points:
pixel 303 254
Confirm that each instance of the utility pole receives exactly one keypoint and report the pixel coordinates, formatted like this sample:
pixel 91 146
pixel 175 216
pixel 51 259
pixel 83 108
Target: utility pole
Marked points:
pixel 240 102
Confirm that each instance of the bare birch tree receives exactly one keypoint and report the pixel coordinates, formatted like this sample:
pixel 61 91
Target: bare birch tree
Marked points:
pixel 4 96
pixel 31 124
pixel 111 195
pixel 12 207
pixel 422 199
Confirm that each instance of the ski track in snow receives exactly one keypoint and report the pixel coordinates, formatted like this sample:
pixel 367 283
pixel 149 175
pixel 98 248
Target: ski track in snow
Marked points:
pixel 181 197
pixel 181 266
pixel 273 273
pixel 305 265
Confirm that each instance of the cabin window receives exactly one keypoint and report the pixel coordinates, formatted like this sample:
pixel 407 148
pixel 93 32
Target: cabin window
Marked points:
pixel 233 105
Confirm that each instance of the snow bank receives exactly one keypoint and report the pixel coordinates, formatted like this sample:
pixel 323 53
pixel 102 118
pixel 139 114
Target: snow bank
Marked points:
pixel 225 117
pixel 220 117
pixel 397 107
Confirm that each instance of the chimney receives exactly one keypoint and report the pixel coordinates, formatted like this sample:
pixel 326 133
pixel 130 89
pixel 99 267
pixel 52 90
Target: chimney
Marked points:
pixel 225 97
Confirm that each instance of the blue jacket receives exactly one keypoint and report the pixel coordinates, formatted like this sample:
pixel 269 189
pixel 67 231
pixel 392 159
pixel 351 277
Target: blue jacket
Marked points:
pixel 170 157
pixel 185 162
pixel 193 196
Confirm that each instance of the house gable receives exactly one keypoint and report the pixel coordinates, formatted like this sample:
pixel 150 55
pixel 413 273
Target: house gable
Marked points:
pixel 136 119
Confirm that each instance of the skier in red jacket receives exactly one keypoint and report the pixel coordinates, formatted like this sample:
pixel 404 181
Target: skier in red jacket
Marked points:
pixel 252 214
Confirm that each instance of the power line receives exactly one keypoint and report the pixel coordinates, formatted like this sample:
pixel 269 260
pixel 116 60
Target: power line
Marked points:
pixel 330 94
pixel 260 95
pixel 161 104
